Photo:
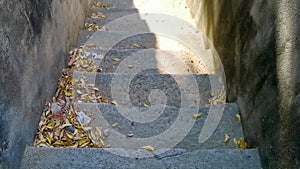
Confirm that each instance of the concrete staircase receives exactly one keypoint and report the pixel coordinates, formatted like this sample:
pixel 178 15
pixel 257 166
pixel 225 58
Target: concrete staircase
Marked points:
pixel 160 71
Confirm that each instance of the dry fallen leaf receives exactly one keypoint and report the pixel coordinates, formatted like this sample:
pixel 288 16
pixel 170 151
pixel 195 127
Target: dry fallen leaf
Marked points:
pixel 116 59
pixel 92 26
pixel 238 117
pixel 100 5
pixel 90 46
pixel 114 125
pixel 148 148
pixel 197 116
pixel 98 15
pixel 130 66
pixel 114 102
pixel 146 105
pixel 136 45
pixel 227 138
pixel 241 143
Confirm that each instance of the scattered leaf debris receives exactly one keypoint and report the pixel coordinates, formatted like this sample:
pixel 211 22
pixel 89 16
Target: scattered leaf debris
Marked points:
pixel 65 131
pixel 98 15
pixel 219 97
pixel 81 60
pixel 100 5
pixel 93 26
pixel 61 124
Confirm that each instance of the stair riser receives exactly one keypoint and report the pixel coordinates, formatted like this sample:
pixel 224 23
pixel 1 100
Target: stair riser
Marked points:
pixel 36 158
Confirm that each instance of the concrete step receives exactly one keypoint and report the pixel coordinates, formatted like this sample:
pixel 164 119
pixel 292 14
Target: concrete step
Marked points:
pixel 136 60
pixel 165 127
pixel 149 87
pixel 49 158
pixel 117 13
pixel 107 40
pixel 150 4
pixel 125 4
pixel 122 40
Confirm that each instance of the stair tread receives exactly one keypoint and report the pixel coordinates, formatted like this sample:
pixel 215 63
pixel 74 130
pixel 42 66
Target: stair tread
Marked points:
pixel 178 90
pixel 107 40
pixel 125 40
pixel 36 158
pixel 155 120
pixel 116 13
pixel 144 5
pixel 134 60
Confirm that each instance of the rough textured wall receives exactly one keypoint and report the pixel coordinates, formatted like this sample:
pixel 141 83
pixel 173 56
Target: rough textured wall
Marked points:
pixel 258 42
pixel 34 38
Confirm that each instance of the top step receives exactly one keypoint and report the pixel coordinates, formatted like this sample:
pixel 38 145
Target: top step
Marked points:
pixel 126 4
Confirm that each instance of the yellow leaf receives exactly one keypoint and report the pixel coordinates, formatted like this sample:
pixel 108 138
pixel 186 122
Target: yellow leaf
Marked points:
pixel 241 143
pixel 51 124
pixel 197 116
pixel 69 135
pixel 83 141
pixel 68 93
pixel 116 59
pixel 148 148
pixel 146 105
pixel 74 146
pixel 114 125
pixel 42 144
pixel 227 138
pixel 136 45
pixel 238 117
pixel 103 100
pixel 90 46
pixel 49 139
pixel 101 5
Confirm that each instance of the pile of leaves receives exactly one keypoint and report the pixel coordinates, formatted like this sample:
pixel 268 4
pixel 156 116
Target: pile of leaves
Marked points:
pixel 93 26
pixel 60 124
pixel 62 129
pixel 81 60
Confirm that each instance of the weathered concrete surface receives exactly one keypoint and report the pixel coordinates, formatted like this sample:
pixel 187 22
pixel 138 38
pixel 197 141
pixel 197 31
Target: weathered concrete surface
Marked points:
pixel 168 116
pixel 34 38
pixel 258 42
pixel 48 158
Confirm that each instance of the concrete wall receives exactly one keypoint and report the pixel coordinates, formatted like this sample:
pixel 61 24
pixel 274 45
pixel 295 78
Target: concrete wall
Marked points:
pixel 34 38
pixel 258 42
